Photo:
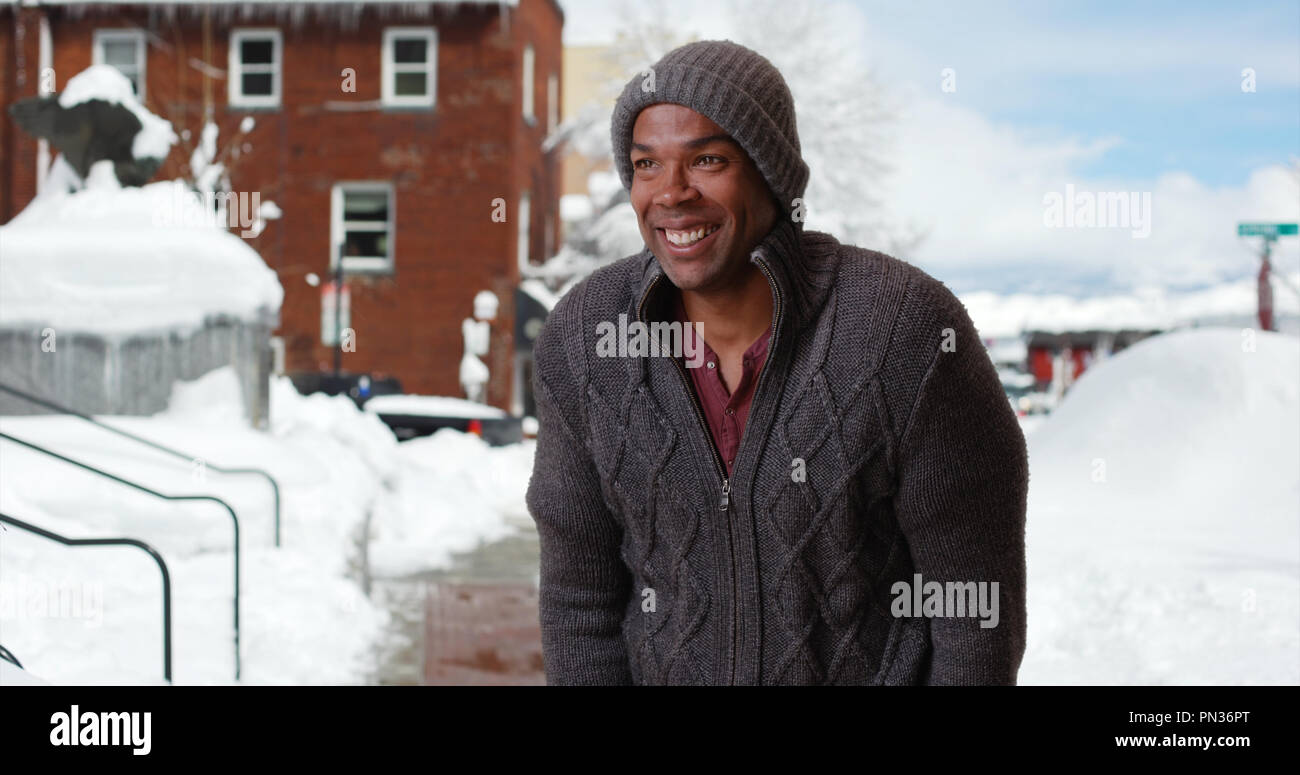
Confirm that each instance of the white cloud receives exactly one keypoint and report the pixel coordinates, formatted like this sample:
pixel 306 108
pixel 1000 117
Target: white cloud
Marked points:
pixel 978 186
pixel 979 189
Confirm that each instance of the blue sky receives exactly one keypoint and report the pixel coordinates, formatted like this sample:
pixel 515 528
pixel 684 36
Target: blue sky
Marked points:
pixel 1143 97
pixel 1161 79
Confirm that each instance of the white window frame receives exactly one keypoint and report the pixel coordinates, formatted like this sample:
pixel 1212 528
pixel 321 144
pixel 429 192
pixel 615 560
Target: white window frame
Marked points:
pixel 529 75
pixel 390 68
pixel 339 228
pixel 552 102
pixel 523 230
pixel 119 34
pixel 235 74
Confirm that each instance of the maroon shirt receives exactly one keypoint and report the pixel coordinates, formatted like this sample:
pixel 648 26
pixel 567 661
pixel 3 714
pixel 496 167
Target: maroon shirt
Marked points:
pixel 725 411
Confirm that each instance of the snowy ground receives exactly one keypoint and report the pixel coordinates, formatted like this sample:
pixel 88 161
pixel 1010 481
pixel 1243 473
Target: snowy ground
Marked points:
pixel 1163 530
pixel 1164 518
pixel 93 615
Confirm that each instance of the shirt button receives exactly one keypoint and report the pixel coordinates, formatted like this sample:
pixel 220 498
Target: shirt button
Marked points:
pixel 710 364
pixel 730 411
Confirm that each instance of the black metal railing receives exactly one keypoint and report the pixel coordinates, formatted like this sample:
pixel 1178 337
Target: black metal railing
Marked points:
pixel 140 487
pixel 275 486
pixel 162 567
pixel 8 656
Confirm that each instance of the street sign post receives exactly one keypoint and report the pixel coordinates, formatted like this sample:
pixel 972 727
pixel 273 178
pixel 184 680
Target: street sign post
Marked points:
pixel 1270 232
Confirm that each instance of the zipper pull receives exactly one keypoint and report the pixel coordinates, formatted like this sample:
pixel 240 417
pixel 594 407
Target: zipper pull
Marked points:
pixel 726 495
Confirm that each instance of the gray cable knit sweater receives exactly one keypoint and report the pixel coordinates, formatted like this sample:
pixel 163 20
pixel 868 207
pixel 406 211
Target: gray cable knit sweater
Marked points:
pixel 653 571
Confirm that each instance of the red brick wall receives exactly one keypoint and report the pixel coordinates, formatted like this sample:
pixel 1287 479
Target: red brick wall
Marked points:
pixel 446 166
pixel 20 71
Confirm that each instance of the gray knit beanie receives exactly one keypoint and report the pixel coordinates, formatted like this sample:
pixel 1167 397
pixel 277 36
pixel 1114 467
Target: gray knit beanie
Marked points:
pixel 736 88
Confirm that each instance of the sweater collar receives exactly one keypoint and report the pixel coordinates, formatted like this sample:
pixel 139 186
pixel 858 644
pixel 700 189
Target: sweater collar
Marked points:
pixel 789 259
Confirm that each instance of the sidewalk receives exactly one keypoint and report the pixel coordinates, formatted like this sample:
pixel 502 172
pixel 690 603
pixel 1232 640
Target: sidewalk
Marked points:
pixel 475 623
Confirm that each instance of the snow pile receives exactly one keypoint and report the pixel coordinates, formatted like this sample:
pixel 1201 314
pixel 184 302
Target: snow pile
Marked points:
pixel 126 260
pixel 1164 517
pixel 212 399
pixel 334 419
pixel 105 82
pixel 93 615
pixel 457 491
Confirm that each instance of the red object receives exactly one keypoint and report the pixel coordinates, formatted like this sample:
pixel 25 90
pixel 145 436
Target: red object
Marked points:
pixel 725 411
pixel 1265 297
pixel 475 427
pixel 1041 360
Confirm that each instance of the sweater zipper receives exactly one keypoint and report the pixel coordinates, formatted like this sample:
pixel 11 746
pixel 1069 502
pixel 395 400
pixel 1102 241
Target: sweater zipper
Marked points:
pixel 717 459
pixel 762 377
pixel 721 471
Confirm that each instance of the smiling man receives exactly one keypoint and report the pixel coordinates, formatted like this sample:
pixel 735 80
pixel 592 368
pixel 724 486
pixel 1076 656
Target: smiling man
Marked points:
pixel 748 521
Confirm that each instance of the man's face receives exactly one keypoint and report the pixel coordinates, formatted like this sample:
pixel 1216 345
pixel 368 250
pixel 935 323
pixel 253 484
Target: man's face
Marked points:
pixel 691 179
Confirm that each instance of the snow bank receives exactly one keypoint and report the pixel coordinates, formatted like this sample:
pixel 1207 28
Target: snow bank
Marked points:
pixel 457 492
pixel 105 82
pixel 1164 517
pixel 305 617
pixel 126 260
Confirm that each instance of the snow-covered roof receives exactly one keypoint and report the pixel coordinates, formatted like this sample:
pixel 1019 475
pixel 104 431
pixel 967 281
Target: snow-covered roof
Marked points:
pixel 294 11
pixel 115 261
pixel 1007 315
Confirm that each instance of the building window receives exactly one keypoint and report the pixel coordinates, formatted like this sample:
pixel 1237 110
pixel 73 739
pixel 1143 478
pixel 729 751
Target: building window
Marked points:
pixel 255 68
pixel 362 226
pixel 410 66
pixel 524 230
pixel 528 84
pixel 124 50
pixel 552 102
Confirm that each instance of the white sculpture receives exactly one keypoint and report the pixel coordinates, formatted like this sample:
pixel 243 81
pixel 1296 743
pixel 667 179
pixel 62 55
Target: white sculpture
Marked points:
pixel 477 333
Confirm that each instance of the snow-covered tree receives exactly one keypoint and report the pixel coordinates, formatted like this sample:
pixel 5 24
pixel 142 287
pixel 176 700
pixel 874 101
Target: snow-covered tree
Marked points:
pixel 844 115
pixel 210 175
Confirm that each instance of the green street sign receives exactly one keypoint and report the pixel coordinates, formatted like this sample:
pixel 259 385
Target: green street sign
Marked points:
pixel 1265 229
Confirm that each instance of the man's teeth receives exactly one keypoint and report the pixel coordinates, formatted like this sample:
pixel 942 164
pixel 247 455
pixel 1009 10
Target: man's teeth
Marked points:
pixel 689 237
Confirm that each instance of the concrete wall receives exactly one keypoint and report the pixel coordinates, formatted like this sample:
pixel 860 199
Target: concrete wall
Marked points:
pixel 133 375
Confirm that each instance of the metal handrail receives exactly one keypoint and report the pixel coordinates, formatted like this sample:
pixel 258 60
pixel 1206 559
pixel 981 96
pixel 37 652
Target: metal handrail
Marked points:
pixel 275 486
pixel 162 566
pixel 8 656
pixel 137 486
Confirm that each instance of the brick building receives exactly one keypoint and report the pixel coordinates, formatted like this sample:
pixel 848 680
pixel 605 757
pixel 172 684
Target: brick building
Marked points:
pixel 392 129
